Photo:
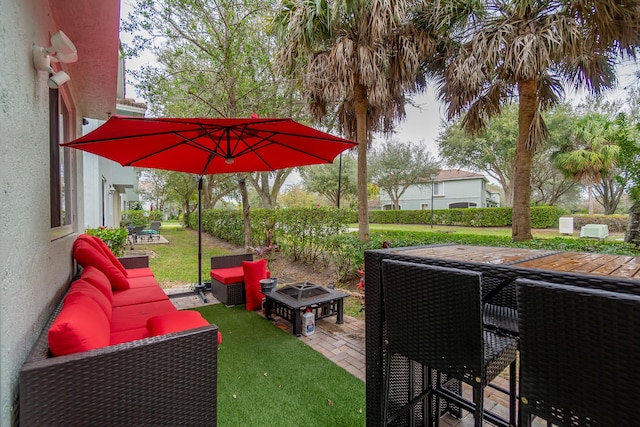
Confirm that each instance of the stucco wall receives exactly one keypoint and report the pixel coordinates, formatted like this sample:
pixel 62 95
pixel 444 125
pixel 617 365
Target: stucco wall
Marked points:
pixel 33 268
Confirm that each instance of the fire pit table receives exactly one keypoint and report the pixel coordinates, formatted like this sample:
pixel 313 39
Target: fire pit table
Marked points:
pixel 289 302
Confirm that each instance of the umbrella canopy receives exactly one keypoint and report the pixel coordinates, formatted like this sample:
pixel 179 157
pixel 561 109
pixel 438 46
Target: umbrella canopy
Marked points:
pixel 211 146
pixel 206 146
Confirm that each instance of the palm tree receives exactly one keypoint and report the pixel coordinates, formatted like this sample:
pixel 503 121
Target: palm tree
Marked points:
pixel 502 50
pixel 594 155
pixel 360 57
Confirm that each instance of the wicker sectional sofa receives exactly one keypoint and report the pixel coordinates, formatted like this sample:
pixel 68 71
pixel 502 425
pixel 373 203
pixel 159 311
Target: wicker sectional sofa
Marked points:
pixel 151 365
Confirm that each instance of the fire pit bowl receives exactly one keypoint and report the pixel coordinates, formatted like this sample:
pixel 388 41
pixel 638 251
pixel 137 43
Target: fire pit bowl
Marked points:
pixel 302 291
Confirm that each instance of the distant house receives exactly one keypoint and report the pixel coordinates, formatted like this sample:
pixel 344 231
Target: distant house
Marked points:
pixel 451 189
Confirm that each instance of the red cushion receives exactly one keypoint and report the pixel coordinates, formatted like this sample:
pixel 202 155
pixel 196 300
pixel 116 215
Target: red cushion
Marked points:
pixel 128 335
pixel 98 279
pixel 254 271
pixel 228 275
pixel 175 322
pixel 80 326
pixel 141 282
pixel 139 272
pixel 136 316
pixel 87 255
pixel 138 296
pixel 107 251
pixel 84 287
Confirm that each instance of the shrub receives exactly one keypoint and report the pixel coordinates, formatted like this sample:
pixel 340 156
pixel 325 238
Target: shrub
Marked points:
pixel 135 218
pixel 115 238
pixel 616 223
pixel 541 217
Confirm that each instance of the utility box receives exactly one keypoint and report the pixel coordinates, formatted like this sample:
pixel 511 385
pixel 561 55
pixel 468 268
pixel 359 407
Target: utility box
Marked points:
pixel 566 225
pixel 599 231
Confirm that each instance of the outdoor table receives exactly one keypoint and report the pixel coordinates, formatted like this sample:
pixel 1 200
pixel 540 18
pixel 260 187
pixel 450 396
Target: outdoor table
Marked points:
pixel 324 303
pixel 500 267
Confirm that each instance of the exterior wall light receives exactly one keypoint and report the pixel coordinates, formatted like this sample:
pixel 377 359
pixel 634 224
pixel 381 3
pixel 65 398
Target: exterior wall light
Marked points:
pixel 61 50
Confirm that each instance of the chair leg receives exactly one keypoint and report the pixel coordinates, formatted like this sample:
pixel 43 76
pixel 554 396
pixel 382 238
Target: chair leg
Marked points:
pixel 385 392
pixel 478 400
pixel 512 394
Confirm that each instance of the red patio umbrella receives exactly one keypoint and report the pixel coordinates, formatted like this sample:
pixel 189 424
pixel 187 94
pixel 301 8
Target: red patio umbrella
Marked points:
pixel 210 146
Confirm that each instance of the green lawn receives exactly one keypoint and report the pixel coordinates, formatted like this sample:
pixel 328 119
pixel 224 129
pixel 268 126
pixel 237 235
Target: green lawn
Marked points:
pixel 176 263
pixel 479 231
pixel 267 377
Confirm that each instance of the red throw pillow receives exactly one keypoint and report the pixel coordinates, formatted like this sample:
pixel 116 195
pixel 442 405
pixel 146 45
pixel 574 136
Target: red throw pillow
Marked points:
pixel 97 243
pixel 98 279
pixel 107 251
pixel 254 271
pixel 86 254
pixel 80 326
pixel 84 287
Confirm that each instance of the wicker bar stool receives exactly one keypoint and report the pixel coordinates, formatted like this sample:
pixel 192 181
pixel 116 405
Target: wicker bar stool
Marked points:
pixel 578 355
pixel 433 316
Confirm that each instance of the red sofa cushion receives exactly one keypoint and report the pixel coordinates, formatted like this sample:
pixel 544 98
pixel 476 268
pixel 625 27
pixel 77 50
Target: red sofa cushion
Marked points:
pixel 142 282
pixel 139 272
pixel 87 255
pixel 254 271
pixel 176 322
pixel 80 326
pixel 128 335
pixel 86 288
pixel 138 296
pixel 136 316
pixel 98 279
pixel 228 275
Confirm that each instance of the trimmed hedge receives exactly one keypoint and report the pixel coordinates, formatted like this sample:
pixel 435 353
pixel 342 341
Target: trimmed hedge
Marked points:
pixel 616 223
pixel 541 217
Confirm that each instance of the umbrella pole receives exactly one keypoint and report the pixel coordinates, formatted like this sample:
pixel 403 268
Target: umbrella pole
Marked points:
pixel 200 287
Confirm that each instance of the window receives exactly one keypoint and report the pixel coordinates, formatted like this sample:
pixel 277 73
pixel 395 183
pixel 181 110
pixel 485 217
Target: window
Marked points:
pixel 424 206
pixel 60 171
pixel 438 188
pixel 462 205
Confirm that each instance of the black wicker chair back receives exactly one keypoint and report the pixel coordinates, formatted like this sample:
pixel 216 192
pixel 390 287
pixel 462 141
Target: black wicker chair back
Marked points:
pixel 579 355
pixel 433 315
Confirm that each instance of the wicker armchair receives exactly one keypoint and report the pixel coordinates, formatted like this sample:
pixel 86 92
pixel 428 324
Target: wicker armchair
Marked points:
pixel 433 316
pixel 579 351
pixel 230 293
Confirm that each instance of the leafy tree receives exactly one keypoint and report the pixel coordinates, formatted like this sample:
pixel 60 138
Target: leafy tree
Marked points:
pixel 153 188
pixel 501 50
pixel 297 197
pixel 627 138
pixel 324 179
pixel 397 165
pixel 214 59
pixel 492 152
pixel 594 154
pixel 362 56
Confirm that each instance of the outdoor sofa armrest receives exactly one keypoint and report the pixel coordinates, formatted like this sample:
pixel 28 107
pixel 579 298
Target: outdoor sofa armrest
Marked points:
pixel 163 380
pixel 130 262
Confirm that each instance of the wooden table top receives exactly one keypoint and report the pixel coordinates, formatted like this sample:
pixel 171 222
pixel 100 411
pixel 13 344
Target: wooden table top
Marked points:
pixel 485 254
pixel 624 266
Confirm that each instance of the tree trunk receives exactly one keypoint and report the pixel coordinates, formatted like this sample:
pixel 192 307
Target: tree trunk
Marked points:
pixel 590 197
pixel 521 217
pixel 360 102
pixel 633 230
pixel 245 211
